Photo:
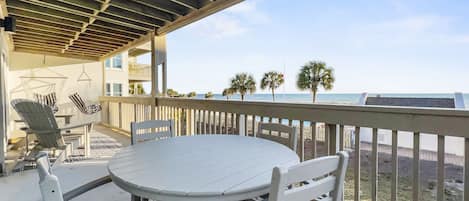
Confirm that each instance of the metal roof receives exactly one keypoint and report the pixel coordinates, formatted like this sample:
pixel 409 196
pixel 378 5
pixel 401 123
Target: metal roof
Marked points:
pixel 411 102
pixel 94 29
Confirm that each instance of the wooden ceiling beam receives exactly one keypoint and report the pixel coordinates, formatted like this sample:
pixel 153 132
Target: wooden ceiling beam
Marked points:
pixel 107 49
pixel 99 29
pixel 45 43
pixel 81 52
pixel 92 40
pixel 95 43
pixel 41 17
pixel 46 11
pixel 167 6
pixel 193 4
pixel 58 49
pixel 88 49
pixel 118 12
pixel 38 44
pixel 109 35
pixel 38 27
pixel 102 37
pixel 43 34
pixel 59 5
pixel 120 21
pixel 119 27
pixel 32 22
pixel 88 4
pixel 30 39
pixel 143 10
pixel 58 54
pixel 40 37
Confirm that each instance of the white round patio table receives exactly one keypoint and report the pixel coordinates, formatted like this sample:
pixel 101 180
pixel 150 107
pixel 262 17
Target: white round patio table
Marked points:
pixel 203 167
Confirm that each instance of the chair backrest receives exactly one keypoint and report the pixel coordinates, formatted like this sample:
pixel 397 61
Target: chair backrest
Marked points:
pixel 151 130
pixel 79 102
pixel 40 120
pixel 48 183
pixel 280 133
pixel 310 180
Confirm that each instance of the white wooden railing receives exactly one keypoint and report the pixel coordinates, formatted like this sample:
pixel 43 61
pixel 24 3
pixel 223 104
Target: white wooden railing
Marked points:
pixel 194 116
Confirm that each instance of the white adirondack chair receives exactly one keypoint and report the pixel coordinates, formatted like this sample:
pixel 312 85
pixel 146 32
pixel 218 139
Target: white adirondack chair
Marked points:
pixel 276 132
pixel 151 130
pixel 50 187
pixel 318 179
pixel 41 121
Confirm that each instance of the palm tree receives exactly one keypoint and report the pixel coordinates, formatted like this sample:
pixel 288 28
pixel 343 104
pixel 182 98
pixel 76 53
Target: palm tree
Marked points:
pixel 243 83
pixel 227 92
pixel 272 80
pixel 314 74
pixel 209 95
pixel 172 93
pixel 191 94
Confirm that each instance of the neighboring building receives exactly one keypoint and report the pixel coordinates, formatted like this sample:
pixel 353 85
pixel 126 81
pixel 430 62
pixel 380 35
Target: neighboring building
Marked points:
pixel 455 145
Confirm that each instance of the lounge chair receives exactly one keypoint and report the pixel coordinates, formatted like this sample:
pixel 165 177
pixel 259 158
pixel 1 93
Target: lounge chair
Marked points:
pixel 82 106
pixel 40 121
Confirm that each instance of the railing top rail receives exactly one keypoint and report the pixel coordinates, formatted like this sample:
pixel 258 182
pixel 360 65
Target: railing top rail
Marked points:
pixel 453 122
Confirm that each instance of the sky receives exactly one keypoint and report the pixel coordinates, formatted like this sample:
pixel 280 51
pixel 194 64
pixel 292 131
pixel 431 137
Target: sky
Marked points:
pixel 377 46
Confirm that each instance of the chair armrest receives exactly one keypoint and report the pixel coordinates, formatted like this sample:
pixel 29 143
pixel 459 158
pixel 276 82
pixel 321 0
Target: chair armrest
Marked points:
pixel 87 187
pixel 68 127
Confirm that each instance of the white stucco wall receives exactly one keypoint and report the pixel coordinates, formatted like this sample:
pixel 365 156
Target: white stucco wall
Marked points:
pixel 33 65
pixel 120 75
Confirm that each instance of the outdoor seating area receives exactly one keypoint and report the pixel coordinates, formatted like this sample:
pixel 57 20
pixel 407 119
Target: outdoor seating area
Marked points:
pixel 82 119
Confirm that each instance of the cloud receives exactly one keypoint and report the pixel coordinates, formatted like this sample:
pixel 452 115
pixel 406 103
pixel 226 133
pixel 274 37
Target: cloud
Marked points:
pixel 234 21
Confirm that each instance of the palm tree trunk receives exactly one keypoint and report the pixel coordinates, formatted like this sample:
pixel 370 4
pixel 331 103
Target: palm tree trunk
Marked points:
pixel 314 95
pixel 273 94
pixel 242 97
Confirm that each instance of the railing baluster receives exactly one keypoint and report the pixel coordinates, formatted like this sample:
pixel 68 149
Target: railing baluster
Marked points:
pixel 356 177
pixel 120 114
pixel 219 123
pixel 313 139
pixel 209 121
pixel 253 126
pixel 332 134
pixel 232 124
pixel 301 146
pixel 246 125
pixel 204 124
pixel 341 137
pixel 226 122
pixel 395 167
pixel 374 165
pixel 416 168
pixel 135 112
pixel 440 193
pixel 466 169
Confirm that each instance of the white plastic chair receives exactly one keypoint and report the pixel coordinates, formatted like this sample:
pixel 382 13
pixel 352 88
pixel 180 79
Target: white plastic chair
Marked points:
pixel 151 130
pixel 50 187
pixel 318 179
pixel 276 132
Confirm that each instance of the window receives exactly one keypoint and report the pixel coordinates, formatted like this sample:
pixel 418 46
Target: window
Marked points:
pixel 114 62
pixel 117 61
pixel 108 89
pixel 107 63
pixel 117 89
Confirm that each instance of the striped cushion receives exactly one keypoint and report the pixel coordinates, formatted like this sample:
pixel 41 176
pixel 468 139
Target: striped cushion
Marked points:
pixel 49 100
pixel 81 105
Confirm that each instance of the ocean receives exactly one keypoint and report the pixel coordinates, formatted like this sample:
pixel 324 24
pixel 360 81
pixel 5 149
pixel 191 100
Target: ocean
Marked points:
pixel 334 98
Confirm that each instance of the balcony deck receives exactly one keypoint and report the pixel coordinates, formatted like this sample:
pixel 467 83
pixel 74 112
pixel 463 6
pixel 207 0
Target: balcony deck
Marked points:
pixel 106 141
